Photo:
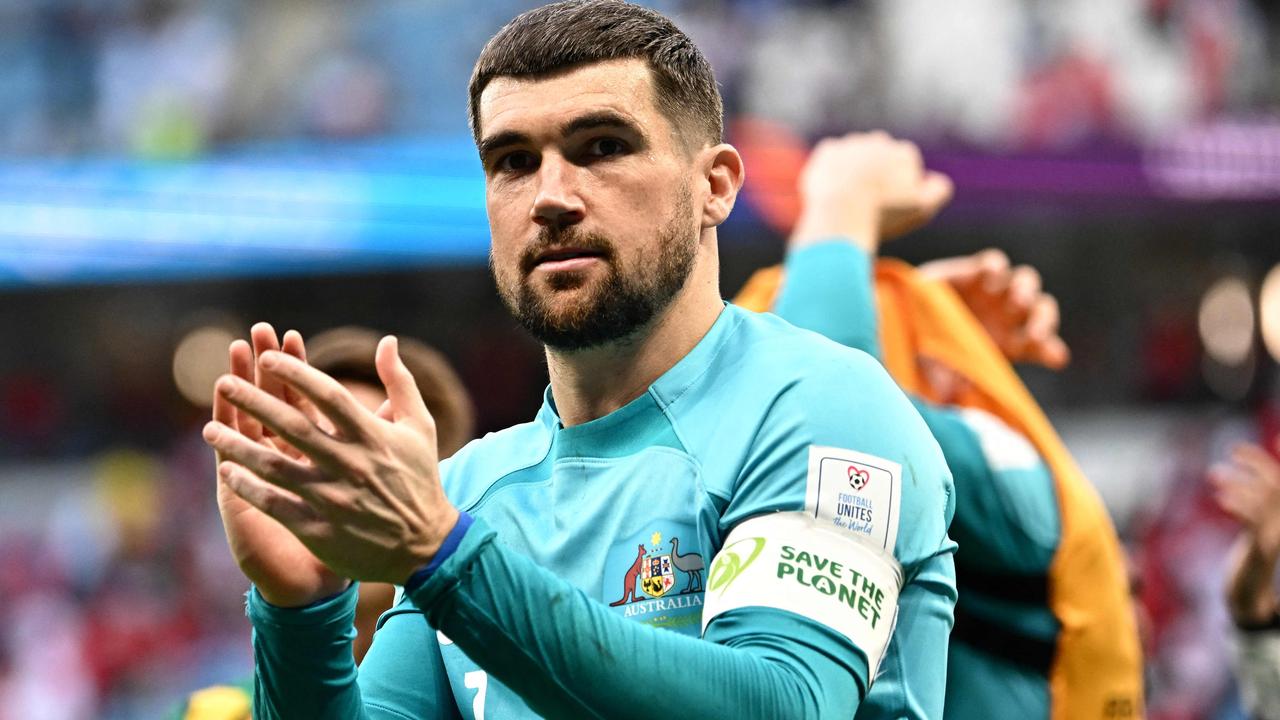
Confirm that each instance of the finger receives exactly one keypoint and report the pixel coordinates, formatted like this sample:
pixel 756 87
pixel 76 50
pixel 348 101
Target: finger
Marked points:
pixel 282 418
pixel 993 264
pixel 292 344
pixel 1258 461
pixel 1232 484
pixel 1054 354
pixel 264 340
pixel 1221 474
pixel 1245 499
pixel 936 190
pixel 1041 322
pixel 384 412
pixel 265 462
pixel 996 276
pixel 1044 317
pixel 241 356
pixel 911 154
pixel 960 272
pixel 242 367
pixel 223 411
pixel 1041 332
pixel 289 509
pixel 406 401
pixel 1250 458
pixel 348 416
pixel 957 271
pixel 970 274
pixel 1233 504
pixel 1024 289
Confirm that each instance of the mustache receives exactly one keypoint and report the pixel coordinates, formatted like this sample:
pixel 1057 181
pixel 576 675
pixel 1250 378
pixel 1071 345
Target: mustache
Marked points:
pixel 553 239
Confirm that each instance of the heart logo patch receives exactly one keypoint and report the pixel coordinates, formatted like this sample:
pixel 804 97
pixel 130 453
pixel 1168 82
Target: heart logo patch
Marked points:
pixel 858 477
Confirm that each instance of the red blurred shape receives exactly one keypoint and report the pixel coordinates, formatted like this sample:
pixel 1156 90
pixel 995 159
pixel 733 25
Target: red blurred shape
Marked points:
pixel 774 156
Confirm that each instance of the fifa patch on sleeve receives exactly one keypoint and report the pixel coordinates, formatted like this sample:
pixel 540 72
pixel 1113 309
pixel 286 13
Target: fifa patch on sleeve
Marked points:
pixel 793 562
pixel 856 493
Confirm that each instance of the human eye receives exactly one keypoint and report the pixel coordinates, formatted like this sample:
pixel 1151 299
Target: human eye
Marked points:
pixel 520 161
pixel 606 147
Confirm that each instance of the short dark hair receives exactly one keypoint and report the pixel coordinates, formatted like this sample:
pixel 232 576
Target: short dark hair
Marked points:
pixel 565 35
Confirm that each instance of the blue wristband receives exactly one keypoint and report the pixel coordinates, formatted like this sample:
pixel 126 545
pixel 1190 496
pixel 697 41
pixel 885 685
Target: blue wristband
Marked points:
pixel 447 548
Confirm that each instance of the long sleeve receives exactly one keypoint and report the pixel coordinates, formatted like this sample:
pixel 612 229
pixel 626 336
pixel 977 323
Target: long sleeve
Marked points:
pixel 828 290
pixel 562 652
pixel 567 656
pixel 1009 506
pixel 1007 522
pixel 304 666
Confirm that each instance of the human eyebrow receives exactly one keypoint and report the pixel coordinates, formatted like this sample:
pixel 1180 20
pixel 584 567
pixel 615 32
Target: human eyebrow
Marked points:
pixel 601 119
pixel 488 146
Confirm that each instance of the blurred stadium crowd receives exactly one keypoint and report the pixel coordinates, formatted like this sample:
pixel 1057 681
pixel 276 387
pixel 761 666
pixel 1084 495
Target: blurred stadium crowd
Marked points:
pixel 172 77
pixel 118 594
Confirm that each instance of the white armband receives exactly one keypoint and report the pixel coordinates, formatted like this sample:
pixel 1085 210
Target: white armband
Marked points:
pixel 792 561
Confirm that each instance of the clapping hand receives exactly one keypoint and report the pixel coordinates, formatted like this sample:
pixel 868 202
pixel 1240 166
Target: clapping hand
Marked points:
pixel 315 489
pixel 1248 489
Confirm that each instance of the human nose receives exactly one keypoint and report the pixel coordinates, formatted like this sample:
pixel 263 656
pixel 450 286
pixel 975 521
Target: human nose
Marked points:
pixel 557 203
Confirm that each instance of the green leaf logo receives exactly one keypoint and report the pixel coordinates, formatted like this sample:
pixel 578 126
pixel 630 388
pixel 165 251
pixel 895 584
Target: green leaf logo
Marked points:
pixel 729 563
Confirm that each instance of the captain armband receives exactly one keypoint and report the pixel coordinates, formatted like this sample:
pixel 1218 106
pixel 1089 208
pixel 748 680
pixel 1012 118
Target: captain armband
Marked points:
pixel 790 561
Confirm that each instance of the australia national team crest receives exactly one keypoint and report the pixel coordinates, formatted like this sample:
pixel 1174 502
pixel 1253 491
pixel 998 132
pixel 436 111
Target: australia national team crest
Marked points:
pixel 658 579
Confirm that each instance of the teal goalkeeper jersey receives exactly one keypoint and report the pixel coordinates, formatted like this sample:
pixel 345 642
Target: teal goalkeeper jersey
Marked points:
pixel 586 586
pixel 1006 523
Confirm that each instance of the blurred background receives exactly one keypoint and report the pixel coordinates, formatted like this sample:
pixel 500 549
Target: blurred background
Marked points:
pixel 173 170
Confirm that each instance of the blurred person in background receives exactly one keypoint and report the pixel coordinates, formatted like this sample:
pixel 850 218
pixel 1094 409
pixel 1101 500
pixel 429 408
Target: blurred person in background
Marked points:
pixel 1248 488
pixel 164 77
pixel 347 355
pixel 1045 626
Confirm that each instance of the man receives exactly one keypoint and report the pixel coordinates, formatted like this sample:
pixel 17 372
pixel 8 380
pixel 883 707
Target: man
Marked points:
pixel 1044 626
pixel 565 567
pixel 346 354
pixel 1248 489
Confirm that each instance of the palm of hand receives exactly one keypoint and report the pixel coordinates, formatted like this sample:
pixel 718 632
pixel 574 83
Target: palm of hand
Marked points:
pixel 1248 488
pixel 339 491
pixel 285 572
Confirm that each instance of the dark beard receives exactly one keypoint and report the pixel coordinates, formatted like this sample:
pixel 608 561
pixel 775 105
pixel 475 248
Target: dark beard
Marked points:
pixel 621 304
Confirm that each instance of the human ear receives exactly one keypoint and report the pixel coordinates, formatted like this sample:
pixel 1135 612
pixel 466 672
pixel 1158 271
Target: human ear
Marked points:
pixel 724 172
